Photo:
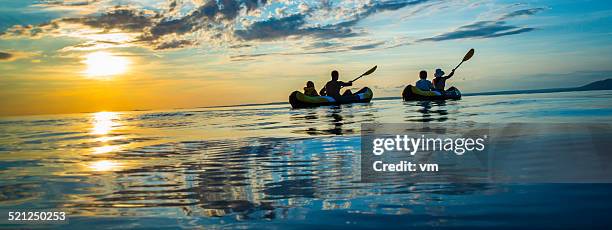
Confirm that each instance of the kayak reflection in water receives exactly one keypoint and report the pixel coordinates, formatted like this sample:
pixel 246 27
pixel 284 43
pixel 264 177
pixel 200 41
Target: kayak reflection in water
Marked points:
pixel 332 88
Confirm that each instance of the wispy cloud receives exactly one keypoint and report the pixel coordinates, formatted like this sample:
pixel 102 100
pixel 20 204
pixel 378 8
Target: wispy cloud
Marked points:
pixel 4 56
pixel 523 12
pixel 481 29
pixel 488 28
pixel 8 56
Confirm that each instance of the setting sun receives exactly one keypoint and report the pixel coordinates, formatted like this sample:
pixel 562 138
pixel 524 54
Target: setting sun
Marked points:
pixel 104 64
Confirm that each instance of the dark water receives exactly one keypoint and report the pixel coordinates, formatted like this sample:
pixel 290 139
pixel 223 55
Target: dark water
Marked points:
pixel 273 167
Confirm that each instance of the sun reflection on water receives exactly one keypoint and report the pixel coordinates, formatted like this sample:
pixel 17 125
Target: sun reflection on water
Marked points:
pixel 104 122
pixel 106 149
pixel 105 165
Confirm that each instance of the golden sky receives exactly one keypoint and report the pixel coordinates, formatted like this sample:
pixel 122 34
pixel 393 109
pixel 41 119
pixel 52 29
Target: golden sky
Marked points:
pixel 70 56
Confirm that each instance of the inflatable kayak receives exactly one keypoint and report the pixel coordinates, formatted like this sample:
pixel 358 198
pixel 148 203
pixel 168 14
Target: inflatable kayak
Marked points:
pixel 297 99
pixel 412 93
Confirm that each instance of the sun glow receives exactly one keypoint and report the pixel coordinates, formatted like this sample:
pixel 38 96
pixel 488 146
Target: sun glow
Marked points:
pixel 104 64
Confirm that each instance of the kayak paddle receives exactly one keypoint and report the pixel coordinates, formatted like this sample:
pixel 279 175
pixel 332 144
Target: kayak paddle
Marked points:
pixel 465 58
pixel 366 73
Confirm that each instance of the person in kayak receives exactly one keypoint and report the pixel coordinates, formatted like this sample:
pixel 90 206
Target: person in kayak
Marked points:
pixel 424 84
pixel 439 81
pixel 332 88
pixel 310 89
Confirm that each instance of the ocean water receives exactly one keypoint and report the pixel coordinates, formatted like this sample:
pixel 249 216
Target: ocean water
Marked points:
pixel 273 167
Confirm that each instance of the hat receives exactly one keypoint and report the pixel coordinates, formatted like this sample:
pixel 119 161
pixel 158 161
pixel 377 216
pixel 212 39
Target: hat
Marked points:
pixel 439 73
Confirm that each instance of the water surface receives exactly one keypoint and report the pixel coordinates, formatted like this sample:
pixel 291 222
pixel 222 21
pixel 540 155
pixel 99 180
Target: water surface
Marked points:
pixel 271 166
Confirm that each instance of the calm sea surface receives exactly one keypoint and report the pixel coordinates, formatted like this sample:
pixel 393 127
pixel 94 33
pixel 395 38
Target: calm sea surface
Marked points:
pixel 274 167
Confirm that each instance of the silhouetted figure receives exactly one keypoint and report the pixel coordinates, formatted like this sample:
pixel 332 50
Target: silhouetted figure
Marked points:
pixel 424 84
pixel 439 81
pixel 310 89
pixel 332 88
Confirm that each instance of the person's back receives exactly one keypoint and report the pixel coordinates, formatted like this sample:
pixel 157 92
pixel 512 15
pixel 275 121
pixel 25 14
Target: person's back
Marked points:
pixel 439 81
pixel 423 83
pixel 332 88
pixel 310 90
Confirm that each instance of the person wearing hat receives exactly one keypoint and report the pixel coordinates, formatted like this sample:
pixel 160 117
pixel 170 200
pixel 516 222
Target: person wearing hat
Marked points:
pixel 439 80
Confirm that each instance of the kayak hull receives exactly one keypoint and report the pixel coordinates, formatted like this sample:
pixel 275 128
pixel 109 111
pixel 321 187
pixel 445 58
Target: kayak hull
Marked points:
pixel 411 93
pixel 297 99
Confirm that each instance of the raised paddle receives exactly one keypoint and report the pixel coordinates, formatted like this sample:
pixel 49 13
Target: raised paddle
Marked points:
pixel 467 56
pixel 366 73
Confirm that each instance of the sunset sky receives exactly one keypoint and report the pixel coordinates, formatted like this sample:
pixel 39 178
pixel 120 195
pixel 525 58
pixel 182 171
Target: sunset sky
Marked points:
pixel 107 55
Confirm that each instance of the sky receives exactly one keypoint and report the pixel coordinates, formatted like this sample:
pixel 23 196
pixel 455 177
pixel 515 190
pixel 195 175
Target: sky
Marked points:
pixel 70 56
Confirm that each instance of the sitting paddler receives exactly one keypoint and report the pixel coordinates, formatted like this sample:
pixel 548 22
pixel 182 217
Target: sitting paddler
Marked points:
pixel 423 84
pixel 310 89
pixel 439 81
pixel 332 88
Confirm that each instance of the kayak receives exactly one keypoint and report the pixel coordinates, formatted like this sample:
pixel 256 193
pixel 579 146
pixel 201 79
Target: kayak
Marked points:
pixel 412 93
pixel 297 99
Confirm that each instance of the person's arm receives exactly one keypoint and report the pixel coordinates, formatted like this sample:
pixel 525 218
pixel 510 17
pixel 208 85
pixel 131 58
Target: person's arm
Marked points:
pixel 323 91
pixel 450 75
pixel 350 83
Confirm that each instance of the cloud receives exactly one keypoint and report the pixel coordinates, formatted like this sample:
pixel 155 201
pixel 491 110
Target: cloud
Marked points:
pixel 174 44
pixel 213 21
pixel 4 56
pixel 293 25
pixel 312 26
pixel 118 19
pixel 367 46
pixel 481 29
pixel 374 7
pixel 66 7
pixel 316 48
pixel 488 28
pixel 238 46
pixel 8 56
pixel 525 12
pixel 209 16
pixel 392 5
pixel 297 25
pixel 154 29
pixel 65 2
pixel 128 20
pixel 323 44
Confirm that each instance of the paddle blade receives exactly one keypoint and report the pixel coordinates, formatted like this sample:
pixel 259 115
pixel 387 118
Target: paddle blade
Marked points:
pixel 468 55
pixel 370 71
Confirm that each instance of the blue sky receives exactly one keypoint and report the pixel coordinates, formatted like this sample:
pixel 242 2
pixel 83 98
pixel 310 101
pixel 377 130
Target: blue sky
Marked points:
pixel 185 53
